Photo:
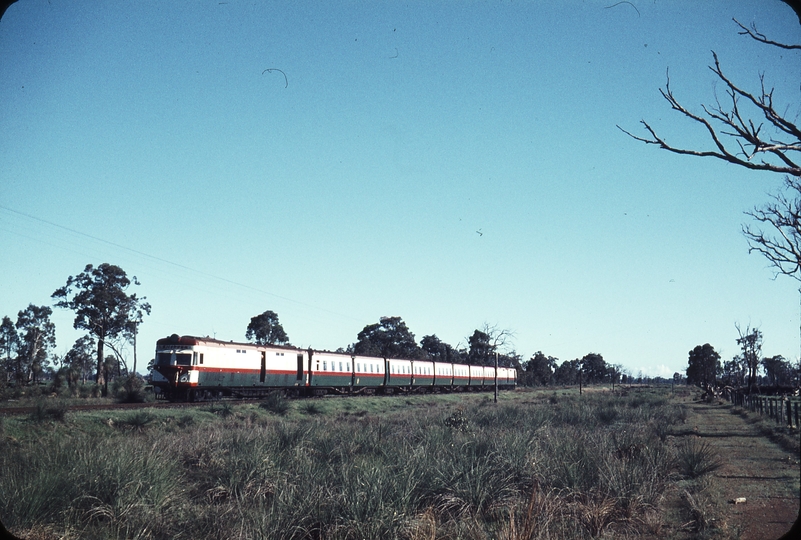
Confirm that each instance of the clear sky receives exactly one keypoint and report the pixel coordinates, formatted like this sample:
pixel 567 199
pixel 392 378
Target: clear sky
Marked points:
pixel 451 163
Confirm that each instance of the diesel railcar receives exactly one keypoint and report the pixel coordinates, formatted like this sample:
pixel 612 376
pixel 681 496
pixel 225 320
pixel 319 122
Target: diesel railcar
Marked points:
pixel 189 368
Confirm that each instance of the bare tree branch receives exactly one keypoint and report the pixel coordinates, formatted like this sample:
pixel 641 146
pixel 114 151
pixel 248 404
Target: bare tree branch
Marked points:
pixel 737 137
pixel 782 217
pixel 761 37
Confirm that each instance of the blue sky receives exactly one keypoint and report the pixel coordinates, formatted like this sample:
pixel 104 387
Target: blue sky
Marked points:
pixel 451 163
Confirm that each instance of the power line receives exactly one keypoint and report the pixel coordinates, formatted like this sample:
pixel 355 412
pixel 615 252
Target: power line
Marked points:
pixel 177 265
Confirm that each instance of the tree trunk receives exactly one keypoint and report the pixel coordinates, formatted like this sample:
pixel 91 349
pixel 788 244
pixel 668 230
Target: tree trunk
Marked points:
pixel 101 379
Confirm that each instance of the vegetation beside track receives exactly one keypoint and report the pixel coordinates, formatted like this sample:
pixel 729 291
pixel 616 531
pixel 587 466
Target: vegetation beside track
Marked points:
pixel 538 464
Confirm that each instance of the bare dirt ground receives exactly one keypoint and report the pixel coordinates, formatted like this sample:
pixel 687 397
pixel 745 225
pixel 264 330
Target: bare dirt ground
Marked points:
pixel 753 467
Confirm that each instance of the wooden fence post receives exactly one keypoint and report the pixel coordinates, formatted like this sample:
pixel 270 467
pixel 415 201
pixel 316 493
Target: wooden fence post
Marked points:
pixel 789 415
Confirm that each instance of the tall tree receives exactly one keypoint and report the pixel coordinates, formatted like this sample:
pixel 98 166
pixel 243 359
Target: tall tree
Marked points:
pixel 734 371
pixel 102 306
pixel 486 342
pixel 593 368
pixel 36 336
pixel 539 370
pixel 439 351
pixel 567 372
pixel 265 329
pixel 389 338
pixel 778 370
pixel 481 349
pixel 9 340
pixel 750 342
pixel 80 359
pixel 703 366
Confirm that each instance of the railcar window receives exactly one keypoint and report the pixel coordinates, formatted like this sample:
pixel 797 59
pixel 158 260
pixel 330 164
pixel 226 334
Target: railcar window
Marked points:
pixel 325 364
pixel 340 367
pixel 164 359
pixel 183 359
pixel 201 358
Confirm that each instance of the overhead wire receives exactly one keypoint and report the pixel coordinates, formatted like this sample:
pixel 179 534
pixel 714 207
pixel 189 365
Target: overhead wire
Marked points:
pixel 164 261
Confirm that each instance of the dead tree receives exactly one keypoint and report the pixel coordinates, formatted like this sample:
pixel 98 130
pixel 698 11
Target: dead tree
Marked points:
pixel 747 131
pixel 781 245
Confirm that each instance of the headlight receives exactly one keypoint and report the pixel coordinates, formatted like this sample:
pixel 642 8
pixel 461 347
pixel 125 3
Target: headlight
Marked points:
pixel 184 377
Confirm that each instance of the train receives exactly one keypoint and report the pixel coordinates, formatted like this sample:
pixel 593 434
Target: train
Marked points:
pixel 189 368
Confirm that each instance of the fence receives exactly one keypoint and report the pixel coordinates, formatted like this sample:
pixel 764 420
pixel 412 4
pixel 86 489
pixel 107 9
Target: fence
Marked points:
pixel 785 410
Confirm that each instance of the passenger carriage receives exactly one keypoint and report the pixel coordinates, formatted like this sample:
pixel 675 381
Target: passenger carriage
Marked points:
pixel 422 374
pixel 476 381
pixel 368 373
pixel 489 376
pixel 398 375
pixel 443 375
pixel 330 370
pixel 461 376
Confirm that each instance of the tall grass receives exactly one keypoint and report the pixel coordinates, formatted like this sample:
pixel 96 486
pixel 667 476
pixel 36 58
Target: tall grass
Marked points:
pixel 573 469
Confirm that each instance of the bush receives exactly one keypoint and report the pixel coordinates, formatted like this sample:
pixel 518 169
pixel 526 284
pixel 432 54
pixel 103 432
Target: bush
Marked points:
pixel 311 408
pixel 137 421
pixel 130 389
pixel 44 410
pixel 275 402
pixel 697 458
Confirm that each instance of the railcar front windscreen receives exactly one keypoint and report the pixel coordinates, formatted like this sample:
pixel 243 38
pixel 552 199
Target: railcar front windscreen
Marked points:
pixel 181 359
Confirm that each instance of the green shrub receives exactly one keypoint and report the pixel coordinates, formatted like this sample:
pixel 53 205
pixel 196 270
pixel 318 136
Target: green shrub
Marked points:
pixel 137 421
pixel 223 409
pixel 312 408
pixel 130 389
pixel 458 420
pixel 45 410
pixel 697 458
pixel 275 402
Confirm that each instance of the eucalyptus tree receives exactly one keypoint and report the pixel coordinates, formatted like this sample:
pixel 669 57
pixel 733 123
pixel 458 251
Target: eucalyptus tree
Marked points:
pixel 439 351
pixel 264 329
pixel 703 366
pixel 80 359
pixel 36 336
pixel 8 346
pixel 539 370
pixel 99 297
pixel 389 338
pixel 750 342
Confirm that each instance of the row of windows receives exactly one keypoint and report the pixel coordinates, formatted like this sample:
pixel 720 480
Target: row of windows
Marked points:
pixel 333 366
pixel 345 367
pixel 243 351
pixel 405 370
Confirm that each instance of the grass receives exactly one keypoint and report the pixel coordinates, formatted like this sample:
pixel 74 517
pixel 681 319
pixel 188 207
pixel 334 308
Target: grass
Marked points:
pixel 451 466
